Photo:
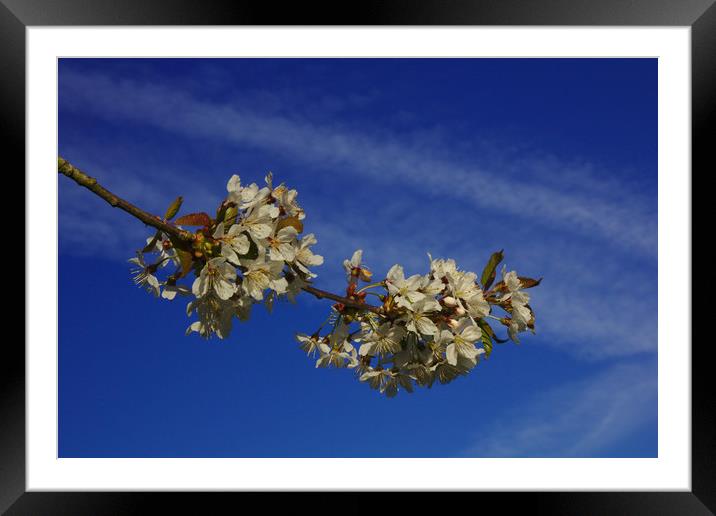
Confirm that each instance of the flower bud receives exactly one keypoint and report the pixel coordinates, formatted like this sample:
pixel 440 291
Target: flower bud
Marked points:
pixel 449 301
pixel 459 311
pixel 453 323
pixel 365 274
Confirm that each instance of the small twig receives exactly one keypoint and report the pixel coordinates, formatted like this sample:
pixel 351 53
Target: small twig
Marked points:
pixel 321 294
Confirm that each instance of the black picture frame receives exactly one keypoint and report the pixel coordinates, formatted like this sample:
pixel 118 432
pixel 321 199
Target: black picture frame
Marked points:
pixel 700 15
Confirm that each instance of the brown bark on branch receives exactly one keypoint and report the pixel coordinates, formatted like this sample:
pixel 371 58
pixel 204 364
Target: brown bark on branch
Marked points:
pixel 320 294
pixel 82 179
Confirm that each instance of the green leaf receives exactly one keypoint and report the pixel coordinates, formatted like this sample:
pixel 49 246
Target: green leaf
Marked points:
pixel 185 258
pixel 173 208
pixel 490 270
pixel 487 344
pixel 194 219
pixel 486 328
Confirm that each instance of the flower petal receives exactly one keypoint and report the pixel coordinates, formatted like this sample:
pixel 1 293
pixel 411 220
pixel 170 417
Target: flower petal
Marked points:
pixel 451 354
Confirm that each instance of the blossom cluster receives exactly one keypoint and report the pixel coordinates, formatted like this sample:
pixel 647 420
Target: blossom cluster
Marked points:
pixel 434 326
pixel 250 252
pixel 428 327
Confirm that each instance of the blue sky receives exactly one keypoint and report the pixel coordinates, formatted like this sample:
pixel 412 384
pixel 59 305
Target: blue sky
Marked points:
pixel 554 160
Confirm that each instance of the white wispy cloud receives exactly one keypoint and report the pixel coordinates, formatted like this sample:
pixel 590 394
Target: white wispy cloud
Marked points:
pixel 590 304
pixel 383 158
pixel 578 419
pixel 569 224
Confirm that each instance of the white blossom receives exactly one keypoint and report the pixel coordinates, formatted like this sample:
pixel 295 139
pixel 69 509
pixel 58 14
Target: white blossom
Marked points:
pixel 245 197
pixel 440 268
pixel 331 356
pixel 215 316
pixel 234 242
pixel 431 286
pixel 309 344
pixel 353 263
pixel 521 314
pixel 423 328
pixel 376 378
pixel 405 290
pixel 170 291
pixel 463 343
pixel 287 200
pixel 417 318
pixel 462 286
pixel 514 288
pixel 382 341
pixel 355 269
pixel 280 245
pixel 387 381
pixel 476 305
pixel 260 275
pixel 260 221
pixel 217 275
pixel 304 257
pixel 162 246
pixel 143 274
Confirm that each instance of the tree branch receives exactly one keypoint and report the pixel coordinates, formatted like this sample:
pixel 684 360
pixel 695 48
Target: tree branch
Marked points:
pixel 320 294
pixel 82 179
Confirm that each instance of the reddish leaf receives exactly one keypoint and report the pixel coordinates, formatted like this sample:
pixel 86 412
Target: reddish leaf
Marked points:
pixel 524 281
pixel 529 282
pixel 194 219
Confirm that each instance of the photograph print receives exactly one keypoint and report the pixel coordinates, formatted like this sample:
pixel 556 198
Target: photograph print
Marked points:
pixel 367 257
